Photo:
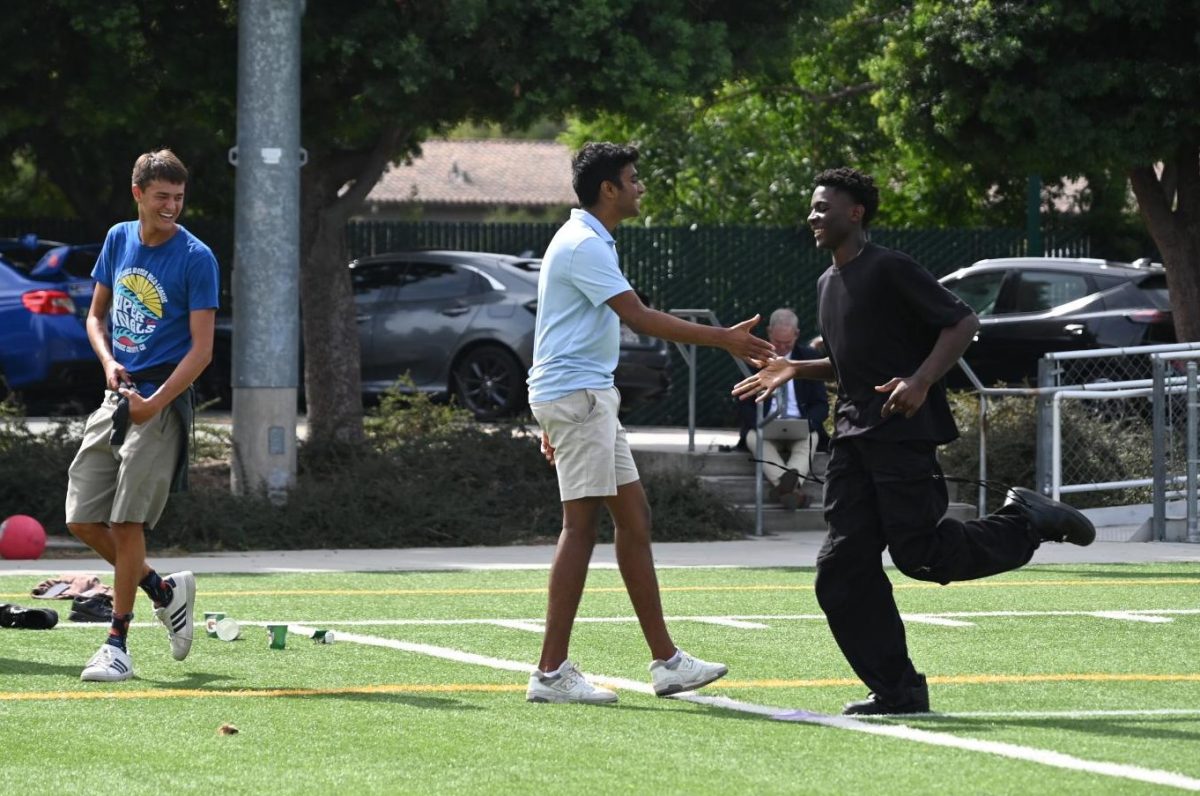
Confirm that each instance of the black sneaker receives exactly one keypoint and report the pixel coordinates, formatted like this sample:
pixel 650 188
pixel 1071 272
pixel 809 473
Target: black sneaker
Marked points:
pixel 27 618
pixel 787 484
pixel 91 609
pixel 915 700
pixel 1051 520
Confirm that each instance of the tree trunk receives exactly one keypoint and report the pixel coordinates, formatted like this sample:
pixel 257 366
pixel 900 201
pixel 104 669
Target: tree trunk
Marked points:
pixel 1170 205
pixel 332 382
pixel 332 359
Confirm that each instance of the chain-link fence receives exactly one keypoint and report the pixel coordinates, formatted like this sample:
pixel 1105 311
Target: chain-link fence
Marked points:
pixel 1176 456
pixel 1096 425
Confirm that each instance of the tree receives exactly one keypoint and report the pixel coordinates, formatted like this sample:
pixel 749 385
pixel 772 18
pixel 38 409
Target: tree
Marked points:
pixel 747 152
pixel 381 76
pixel 87 86
pixel 1063 88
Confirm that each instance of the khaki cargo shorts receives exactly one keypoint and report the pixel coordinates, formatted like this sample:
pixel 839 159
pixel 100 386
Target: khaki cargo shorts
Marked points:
pixel 126 484
pixel 591 452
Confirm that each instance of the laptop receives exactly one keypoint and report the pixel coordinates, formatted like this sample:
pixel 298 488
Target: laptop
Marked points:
pixel 786 428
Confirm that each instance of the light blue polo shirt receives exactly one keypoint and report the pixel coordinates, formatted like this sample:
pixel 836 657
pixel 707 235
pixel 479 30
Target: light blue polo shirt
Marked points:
pixel 577 337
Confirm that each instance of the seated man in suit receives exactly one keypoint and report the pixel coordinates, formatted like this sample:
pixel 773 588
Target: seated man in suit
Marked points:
pixel 790 460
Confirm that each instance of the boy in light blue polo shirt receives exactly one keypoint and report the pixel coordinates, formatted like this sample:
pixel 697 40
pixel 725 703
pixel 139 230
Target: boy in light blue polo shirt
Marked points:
pixel 578 337
pixel 582 300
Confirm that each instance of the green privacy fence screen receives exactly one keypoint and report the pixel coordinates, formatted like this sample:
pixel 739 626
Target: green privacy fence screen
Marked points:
pixel 736 272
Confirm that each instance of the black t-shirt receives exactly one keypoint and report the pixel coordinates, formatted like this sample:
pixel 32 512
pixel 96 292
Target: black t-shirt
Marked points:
pixel 881 314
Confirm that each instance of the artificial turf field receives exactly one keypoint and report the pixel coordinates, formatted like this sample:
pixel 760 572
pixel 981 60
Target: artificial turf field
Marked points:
pixel 1053 679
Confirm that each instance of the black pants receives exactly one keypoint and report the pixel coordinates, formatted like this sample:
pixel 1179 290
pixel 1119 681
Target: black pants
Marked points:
pixel 890 494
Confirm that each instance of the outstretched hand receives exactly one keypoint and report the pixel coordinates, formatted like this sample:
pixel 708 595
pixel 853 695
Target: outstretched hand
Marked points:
pixel 775 373
pixel 907 396
pixel 743 345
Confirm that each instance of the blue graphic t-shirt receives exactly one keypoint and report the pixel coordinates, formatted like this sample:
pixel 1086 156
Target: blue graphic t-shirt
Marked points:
pixel 154 290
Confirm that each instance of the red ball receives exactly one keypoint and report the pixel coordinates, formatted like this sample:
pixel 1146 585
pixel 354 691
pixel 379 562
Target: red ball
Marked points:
pixel 23 537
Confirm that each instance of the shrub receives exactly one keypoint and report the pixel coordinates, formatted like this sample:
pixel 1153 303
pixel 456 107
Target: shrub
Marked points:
pixel 430 476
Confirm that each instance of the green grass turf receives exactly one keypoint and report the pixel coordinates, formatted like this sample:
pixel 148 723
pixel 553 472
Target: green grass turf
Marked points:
pixel 435 725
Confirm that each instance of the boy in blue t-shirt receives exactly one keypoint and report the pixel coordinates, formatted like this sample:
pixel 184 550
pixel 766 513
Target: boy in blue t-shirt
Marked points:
pixel 151 325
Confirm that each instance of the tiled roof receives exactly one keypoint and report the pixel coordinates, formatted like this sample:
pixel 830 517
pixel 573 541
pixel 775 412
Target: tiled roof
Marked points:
pixel 492 172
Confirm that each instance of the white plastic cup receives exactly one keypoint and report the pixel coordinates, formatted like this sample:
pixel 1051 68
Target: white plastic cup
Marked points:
pixel 228 630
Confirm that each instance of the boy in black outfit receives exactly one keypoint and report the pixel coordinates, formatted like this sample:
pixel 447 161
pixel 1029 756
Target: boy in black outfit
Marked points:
pixel 891 332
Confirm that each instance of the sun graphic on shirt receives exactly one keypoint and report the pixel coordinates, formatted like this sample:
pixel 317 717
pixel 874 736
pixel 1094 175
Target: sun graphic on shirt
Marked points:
pixel 145 292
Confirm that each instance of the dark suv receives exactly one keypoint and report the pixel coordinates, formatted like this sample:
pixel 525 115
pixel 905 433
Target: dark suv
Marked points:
pixel 1030 306
pixel 460 323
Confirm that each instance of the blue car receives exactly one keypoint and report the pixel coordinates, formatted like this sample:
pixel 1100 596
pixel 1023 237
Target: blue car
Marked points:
pixel 44 297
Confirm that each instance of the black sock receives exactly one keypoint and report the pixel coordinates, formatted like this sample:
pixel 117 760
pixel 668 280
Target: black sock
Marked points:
pixel 119 630
pixel 158 590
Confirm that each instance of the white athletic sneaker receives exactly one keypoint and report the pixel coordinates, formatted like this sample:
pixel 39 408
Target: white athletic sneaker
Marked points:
pixel 566 685
pixel 108 665
pixel 687 674
pixel 177 614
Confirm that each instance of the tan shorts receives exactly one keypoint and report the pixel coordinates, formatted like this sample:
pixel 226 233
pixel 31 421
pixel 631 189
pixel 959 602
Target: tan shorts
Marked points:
pixel 591 452
pixel 126 484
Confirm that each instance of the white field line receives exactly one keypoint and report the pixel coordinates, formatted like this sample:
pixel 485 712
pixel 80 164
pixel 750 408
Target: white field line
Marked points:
pixel 1046 714
pixel 725 621
pixel 518 624
pixel 1030 754
pixel 745 621
pixel 1132 617
pixel 899 731
pixel 928 619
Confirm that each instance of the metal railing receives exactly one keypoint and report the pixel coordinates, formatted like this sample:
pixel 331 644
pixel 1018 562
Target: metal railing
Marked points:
pixel 1167 447
pixel 688 352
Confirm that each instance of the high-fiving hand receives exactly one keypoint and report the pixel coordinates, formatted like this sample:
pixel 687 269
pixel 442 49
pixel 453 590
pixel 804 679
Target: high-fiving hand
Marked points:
pixel 742 344
pixel 775 372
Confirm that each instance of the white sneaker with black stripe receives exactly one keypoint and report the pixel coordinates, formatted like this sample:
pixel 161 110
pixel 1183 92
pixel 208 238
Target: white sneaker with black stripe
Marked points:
pixel 109 665
pixel 684 673
pixel 177 614
pixel 566 684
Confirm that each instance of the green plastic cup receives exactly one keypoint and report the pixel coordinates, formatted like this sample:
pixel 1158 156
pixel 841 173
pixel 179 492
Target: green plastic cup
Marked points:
pixel 210 622
pixel 278 635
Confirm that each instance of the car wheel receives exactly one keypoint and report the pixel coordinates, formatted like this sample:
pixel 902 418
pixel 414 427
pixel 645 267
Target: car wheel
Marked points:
pixel 490 382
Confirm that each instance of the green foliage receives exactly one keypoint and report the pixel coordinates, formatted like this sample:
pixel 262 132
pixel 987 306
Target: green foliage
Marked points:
pixel 430 476
pixel 405 415
pixel 33 468
pixel 1106 90
pixel 747 153
pixel 89 86
pixel 1052 87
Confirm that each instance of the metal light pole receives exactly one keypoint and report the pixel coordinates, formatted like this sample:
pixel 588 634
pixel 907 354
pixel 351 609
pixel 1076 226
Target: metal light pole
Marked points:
pixel 266 305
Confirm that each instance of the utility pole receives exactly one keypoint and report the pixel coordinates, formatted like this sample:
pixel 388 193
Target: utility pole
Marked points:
pixel 266 253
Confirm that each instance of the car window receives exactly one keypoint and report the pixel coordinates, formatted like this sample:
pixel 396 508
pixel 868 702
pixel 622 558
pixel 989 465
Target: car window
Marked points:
pixel 1104 282
pixel 1038 291
pixel 979 291
pixel 1154 288
pixel 80 263
pixel 428 281
pixel 369 281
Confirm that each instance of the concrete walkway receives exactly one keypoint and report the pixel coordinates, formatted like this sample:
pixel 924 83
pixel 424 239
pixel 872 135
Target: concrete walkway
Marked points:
pixel 784 550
